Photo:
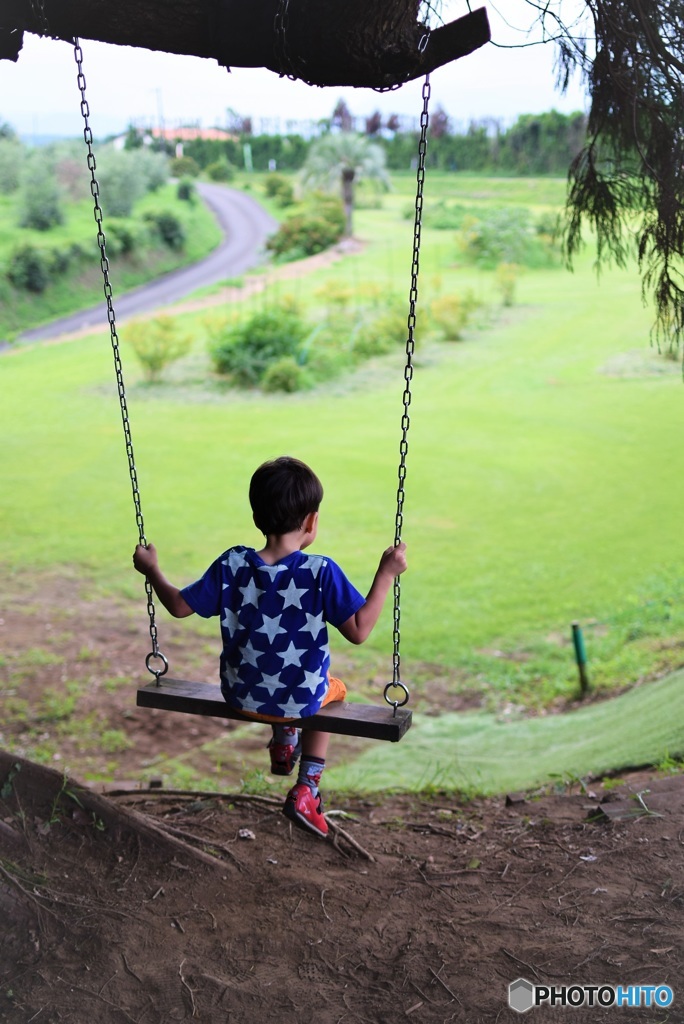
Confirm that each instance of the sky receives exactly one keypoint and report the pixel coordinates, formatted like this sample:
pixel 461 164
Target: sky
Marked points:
pixel 38 93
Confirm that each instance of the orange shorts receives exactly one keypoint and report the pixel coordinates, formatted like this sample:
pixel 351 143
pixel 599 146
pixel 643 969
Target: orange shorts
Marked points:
pixel 336 691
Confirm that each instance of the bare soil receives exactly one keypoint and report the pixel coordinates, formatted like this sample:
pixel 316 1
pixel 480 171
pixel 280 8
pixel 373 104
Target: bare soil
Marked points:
pixel 121 903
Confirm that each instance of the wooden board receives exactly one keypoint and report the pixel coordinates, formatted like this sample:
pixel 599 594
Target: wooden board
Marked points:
pixel 343 717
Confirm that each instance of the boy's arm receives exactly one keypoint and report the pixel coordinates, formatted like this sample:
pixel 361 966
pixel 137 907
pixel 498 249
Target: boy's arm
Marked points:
pixel 359 626
pixel 145 561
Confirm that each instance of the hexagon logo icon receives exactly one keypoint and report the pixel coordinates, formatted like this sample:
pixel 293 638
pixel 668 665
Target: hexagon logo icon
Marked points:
pixel 521 995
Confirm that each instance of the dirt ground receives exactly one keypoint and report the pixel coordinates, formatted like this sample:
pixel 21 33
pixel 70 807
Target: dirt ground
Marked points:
pixel 151 906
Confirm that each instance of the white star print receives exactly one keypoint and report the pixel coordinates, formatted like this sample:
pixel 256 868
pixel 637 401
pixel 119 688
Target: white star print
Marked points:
pixel 314 624
pixel 231 621
pixel 251 593
pixel 271 683
pixel 292 595
pixel 249 704
pixel 249 654
pixel 272 570
pixel 291 709
pixel 234 561
pixel 312 680
pixel 314 563
pixel 291 655
pixel 271 627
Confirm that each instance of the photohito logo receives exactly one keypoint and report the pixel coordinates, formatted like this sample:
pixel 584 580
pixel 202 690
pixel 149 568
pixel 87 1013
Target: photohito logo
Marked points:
pixel 523 995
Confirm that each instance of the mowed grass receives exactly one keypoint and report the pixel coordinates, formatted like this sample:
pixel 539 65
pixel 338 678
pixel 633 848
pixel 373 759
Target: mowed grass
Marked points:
pixel 542 485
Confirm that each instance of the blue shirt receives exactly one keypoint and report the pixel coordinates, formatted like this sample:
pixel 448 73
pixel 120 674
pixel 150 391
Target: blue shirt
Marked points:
pixel 275 657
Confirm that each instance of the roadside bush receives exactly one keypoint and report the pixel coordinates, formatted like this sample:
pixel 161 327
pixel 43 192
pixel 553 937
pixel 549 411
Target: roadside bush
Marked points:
pixel 153 168
pixel 29 269
pixel 122 237
pixel 247 350
pixel 285 375
pixel 280 188
pixel 220 170
pixel 316 228
pixel 168 227
pixel 186 190
pixel 157 343
pixel 184 167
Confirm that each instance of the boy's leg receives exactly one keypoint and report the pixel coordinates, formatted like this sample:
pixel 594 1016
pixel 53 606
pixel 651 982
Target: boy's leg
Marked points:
pixel 284 747
pixel 303 805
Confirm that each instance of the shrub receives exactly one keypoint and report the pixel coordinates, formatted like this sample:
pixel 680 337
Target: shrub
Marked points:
pixel 220 170
pixel 285 375
pixel 157 343
pixel 278 187
pixel 382 332
pixel 451 313
pixel 246 351
pixel 503 234
pixel 168 227
pixel 29 269
pixel 184 167
pixel 316 228
pixel 506 280
pixel 122 238
pixel 186 190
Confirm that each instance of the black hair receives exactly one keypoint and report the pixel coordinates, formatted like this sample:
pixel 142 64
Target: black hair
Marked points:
pixel 282 493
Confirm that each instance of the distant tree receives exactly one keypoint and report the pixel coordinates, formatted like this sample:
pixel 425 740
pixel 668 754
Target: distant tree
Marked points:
pixel 341 117
pixel 41 199
pixel 439 123
pixel 340 161
pixel 374 123
pixel 12 156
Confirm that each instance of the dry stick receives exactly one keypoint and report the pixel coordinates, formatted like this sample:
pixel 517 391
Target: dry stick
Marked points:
pixel 130 969
pixel 29 895
pixel 147 824
pixel 329 918
pixel 193 1005
pixel 194 794
pixel 182 834
pixel 444 985
pixel 337 831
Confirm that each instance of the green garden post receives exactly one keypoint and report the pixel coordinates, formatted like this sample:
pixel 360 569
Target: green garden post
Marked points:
pixel 581 658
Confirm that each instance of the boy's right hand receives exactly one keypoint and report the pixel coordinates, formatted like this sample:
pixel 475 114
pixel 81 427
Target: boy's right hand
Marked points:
pixel 145 558
pixel 393 560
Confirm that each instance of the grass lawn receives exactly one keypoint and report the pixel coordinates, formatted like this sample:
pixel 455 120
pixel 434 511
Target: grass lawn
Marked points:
pixel 542 487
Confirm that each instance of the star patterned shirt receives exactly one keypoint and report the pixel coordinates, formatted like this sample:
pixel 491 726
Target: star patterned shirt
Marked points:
pixel 275 656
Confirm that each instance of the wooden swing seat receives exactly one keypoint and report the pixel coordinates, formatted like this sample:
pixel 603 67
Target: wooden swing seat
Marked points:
pixel 343 717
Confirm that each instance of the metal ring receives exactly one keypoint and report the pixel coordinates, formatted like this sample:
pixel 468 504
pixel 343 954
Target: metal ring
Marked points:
pixel 396 703
pixel 156 672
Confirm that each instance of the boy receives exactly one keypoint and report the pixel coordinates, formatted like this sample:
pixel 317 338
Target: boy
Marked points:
pixel 275 604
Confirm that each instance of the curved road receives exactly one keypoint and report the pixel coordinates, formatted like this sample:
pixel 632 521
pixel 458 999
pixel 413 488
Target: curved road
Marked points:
pixel 245 226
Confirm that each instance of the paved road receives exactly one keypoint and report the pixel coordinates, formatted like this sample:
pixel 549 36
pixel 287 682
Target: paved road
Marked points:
pixel 245 226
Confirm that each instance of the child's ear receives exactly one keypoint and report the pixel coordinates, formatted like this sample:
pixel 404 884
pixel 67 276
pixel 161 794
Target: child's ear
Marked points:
pixel 310 522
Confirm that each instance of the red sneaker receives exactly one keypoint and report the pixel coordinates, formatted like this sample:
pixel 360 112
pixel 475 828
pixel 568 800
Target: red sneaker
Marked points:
pixel 284 757
pixel 306 810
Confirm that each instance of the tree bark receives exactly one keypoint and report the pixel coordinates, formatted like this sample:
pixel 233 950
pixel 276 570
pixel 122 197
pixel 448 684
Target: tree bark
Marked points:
pixel 324 42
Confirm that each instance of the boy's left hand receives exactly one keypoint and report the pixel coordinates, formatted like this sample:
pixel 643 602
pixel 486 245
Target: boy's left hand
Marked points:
pixel 145 558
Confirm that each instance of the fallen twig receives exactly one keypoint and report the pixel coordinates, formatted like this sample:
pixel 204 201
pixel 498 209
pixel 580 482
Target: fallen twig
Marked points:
pixel 337 831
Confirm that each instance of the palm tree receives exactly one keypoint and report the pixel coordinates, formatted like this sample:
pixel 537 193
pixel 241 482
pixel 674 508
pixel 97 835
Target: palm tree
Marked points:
pixel 343 159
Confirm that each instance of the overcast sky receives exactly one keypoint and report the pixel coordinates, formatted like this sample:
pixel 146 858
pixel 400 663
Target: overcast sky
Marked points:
pixel 38 94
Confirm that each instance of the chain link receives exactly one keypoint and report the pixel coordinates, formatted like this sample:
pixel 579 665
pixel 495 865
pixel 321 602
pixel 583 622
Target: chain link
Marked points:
pixel 406 398
pixel 155 653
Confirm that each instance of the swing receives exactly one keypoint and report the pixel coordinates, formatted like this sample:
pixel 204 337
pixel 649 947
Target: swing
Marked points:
pixel 343 717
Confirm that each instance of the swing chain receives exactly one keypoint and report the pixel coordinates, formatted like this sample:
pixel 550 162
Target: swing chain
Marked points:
pixel 38 9
pixel 111 317
pixel 408 377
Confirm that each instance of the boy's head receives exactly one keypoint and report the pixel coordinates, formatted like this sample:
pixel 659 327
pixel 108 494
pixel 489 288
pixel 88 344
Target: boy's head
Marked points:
pixel 282 493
